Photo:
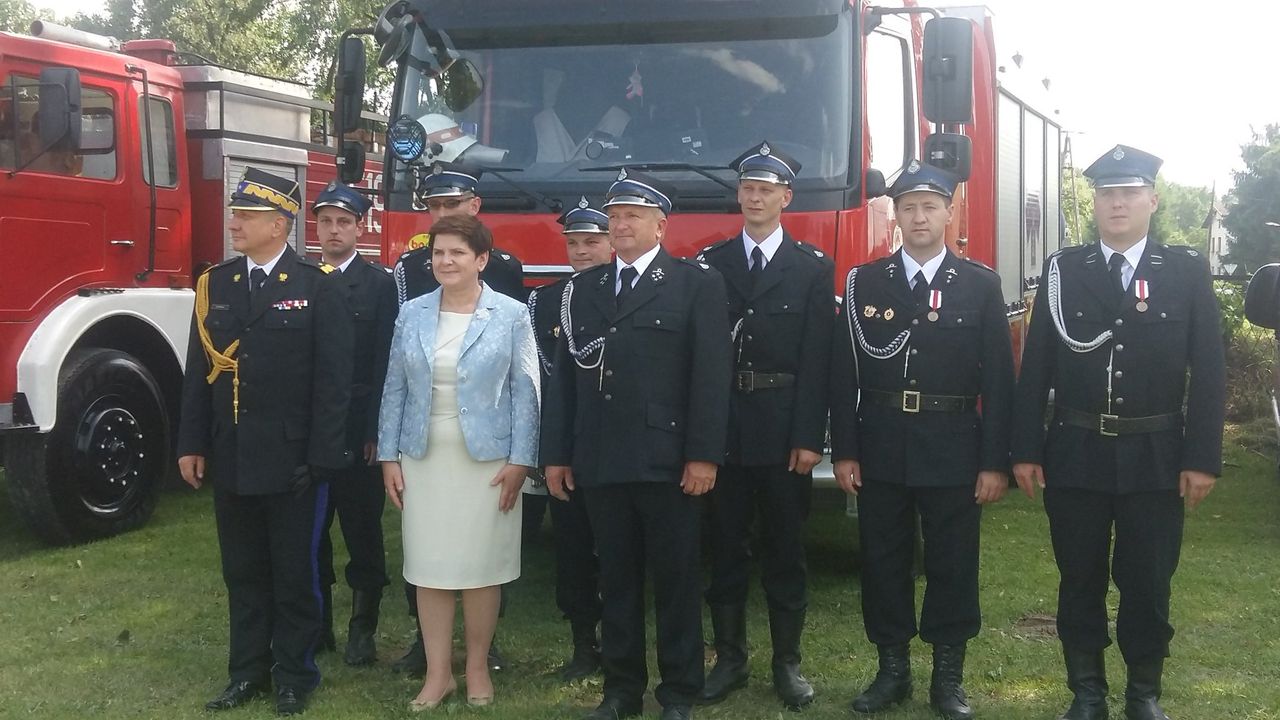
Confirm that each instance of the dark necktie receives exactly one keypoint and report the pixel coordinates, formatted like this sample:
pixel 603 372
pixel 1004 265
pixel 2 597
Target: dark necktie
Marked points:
pixel 757 265
pixel 1116 266
pixel 257 277
pixel 628 277
pixel 920 289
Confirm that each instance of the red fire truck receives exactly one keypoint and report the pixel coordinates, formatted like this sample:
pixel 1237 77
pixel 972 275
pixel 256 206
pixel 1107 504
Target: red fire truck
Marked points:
pixel 555 97
pixel 115 165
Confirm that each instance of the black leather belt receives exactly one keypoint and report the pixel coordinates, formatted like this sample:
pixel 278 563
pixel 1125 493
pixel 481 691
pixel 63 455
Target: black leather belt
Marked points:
pixel 910 401
pixel 1112 425
pixel 746 381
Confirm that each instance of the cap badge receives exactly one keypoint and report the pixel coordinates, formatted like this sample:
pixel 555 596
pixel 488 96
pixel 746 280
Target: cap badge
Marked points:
pixel 333 185
pixel 437 169
pixel 1118 154
pixel 914 167
pixel 622 174
pixel 583 203
pixel 764 149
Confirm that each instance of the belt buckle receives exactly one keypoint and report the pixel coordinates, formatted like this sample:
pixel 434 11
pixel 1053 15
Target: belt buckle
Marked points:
pixel 911 401
pixel 1103 419
pixel 746 381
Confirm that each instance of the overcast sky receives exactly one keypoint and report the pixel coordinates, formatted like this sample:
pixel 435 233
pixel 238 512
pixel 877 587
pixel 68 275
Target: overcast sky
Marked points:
pixel 1185 81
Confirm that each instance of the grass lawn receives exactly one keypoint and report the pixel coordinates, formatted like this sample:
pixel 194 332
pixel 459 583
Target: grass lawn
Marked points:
pixel 136 626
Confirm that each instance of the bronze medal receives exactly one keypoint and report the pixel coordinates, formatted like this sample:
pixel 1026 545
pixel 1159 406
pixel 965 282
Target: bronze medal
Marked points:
pixel 1142 306
pixel 933 316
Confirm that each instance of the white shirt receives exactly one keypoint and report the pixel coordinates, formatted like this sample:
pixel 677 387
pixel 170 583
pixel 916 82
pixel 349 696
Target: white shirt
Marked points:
pixel 1132 257
pixel 266 267
pixel 641 264
pixel 768 246
pixel 930 268
pixel 347 263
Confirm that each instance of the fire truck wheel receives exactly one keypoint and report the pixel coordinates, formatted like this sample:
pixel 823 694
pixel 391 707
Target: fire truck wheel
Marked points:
pixel 98 471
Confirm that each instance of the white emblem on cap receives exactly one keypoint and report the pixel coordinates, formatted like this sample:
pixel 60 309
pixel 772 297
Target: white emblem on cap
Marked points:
pixel 1118 154
pixel 914 167
pixel 583 203
pixel 764 149
pixel 437 169
pixel 333 185
pixel 622 174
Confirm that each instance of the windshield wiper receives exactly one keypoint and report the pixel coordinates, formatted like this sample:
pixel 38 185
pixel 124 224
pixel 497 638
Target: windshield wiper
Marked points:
pixel 703 170
pixel 552 204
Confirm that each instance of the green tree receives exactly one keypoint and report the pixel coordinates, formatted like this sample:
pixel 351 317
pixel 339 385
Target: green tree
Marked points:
pixel 1254 201
pixel 1182 211
pixel 1077 208
pixel 16 15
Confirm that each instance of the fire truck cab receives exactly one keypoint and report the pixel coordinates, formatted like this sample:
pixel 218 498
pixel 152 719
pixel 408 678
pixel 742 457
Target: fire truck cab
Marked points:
pixel 115 164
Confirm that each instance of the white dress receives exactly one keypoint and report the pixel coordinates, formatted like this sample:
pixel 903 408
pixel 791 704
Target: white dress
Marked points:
pixel 454 536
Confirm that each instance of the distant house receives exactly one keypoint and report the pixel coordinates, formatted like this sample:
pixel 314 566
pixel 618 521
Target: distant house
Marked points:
pixel 1217 239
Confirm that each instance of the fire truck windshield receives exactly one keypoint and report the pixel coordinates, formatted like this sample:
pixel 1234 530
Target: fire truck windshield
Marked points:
pixel 555 111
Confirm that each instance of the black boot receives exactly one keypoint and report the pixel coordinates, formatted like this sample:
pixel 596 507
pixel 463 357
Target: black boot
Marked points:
pixel 414 661
pixel 1087 678
pixel 1142 696
pixel 327 642
pixel 729 623
pixel 946 691
pixel 586 653
pixel 361 646
pixel 893 681
pixel 785 627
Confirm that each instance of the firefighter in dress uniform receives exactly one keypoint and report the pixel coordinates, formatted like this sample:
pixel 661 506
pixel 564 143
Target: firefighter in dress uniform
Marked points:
pixel 635 416
pixel 782 315
pixel 922 395
pixel 264 407
pixel 356 495
pixel 586 234
pixel 450 189
pixel 1116 328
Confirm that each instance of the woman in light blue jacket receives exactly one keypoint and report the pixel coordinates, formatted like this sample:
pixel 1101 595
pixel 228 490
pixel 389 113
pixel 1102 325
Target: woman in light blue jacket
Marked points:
pixel 457 434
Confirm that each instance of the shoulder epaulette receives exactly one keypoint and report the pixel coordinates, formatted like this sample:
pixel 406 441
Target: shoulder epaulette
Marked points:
pixel 1067 250
pixel 714 246
pixel 979 263
pixel 412 251
pixel 810 250
pixel 1183 250
pixel 323 267
pixel 695 263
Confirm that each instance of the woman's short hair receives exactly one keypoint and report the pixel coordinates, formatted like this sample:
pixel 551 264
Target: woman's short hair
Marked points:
pixel 472 231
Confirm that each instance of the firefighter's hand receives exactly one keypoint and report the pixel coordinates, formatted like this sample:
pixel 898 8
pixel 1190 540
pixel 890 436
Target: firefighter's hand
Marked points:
pixel 991 487
pixel 192 469
pixel 802 461
pixel 393 481
pixel 511 478
pixel 371 453
pixel 699 477
pixel 559 481
pixel 1029 476
pixel 848 476
pixel 1194 486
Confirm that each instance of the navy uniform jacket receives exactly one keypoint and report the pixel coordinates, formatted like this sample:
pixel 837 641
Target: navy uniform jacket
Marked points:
pixel 786 325
pixel 544 312
pixel 661 396
pixel 295 355
pixel 1150 355
pixel 966 353
pixel 414 278
pixel 372 293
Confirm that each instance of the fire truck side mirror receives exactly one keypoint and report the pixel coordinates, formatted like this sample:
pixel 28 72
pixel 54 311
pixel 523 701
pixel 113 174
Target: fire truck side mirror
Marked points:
pixel 952 152
pixel 350 163
pixel 948 70
pixel 874 185
pixel 59 107
pixel 348 85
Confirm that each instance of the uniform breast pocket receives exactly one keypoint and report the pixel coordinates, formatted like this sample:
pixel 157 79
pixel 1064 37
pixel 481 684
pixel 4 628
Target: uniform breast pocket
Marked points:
pixel 297 319
pixel 960 320
pixel 661 321
pixel 220 319
pixel 784 307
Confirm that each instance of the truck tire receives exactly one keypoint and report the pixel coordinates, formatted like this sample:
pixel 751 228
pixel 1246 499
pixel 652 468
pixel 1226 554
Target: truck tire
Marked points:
pixel 97 473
